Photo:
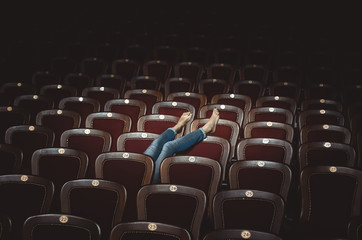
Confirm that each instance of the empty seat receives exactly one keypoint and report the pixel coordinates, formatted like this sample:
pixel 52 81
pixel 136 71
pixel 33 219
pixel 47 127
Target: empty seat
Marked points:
pixel 145 82
pixel 325 133
pixel 56 92
pixel 288 74
pixel 248 209
pixel 12 90
pixel 42 78
pixel 132 107
pixel 271 114
pixel 59 165
pixel 59 121
pixel 140 230
pixel 251 88
pixel 267 149
pixel 320 90
pixel 29 138
pixel 105 208
pixel 199 172
pixel 286 89
pixel 320 116
pixel 177 205
pixel 82 105
pixel 212 86
pixel 265 176
pixel 178 84
pixel 149 97
pixel 275 130
pixel 60 226
pixel 224 234
pixel 78 80
pixel 102 94
pixel 33 104
pixel 223 71
pixel 91 141
pixel 326 153
pixel 190 70
pixel 23 196
pixel 319 104
pixel 254 72
pixel 113 123
pixel 126 68
pixel 277 102
pixel 196 99
pixel 112 81
pixel 160 69
pixel 117 166
pixel 318 185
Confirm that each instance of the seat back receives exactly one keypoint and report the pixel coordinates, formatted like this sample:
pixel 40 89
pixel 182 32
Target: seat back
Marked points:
pixel 325 133
pixel 193 171
pixel 91 141
pixel 58 120
pixel 196 99
pixel 29 138
pixel 275 130
pixel 135 142
pixel 177 205
pixel 132 107
pixel 265 176
pixel 148 230
pixel 248 209
pixel 117 166
pixel 267 149
pixel 102 94
pixel 326 153
pixel 59 165
pixel 82 105
pixel 318 186
pixel 149 97
pixel 23 196
pixel 105 208
pixel 113 123
pixel 224 234
pixel 56 92
pixel 60 226
pixel 33 104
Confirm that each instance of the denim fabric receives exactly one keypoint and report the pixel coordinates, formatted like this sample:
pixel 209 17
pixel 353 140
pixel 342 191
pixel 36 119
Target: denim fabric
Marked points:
pixel 166 145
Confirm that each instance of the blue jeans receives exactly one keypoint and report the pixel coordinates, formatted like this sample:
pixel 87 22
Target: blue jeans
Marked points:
pixel 166 145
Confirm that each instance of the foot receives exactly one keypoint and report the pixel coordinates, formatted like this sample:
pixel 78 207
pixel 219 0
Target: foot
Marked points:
pixel 210 126
pixel 185 117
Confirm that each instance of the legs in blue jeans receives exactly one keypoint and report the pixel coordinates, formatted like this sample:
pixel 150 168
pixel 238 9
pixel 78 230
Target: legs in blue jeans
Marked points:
pixel 166 146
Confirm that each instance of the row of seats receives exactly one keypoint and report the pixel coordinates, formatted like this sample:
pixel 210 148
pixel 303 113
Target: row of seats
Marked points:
pixel 181 201
pixel 128 68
